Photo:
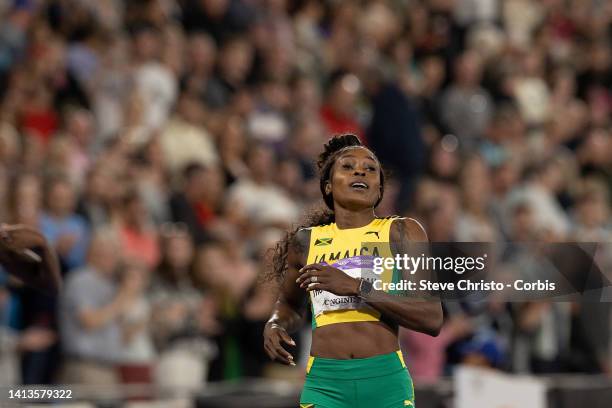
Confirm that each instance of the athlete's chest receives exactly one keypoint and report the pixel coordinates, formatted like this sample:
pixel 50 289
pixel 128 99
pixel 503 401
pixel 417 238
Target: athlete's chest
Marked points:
pixel 333 246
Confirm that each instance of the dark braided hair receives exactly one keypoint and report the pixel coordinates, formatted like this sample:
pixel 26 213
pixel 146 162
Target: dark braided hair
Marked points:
pixel 325 163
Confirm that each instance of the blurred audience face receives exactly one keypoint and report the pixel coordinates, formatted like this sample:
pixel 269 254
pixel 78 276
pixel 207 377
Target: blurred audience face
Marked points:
pixel 59 154
pixel 195 187
pixel 433 73
pixel 104 252
pixel 601 61
pixel 214 182
pixel 54 60
pixel 136 275
pixel 597 148
pixel 306 95
pixel 146 44
pixel 173 53
pixel 276 95
pixel 235 60
pixel 215 9
pixel 60 198
pixel 27 199
pixel 475 184
pixel 178 250
pixel 80 127
pixel 134 212
pixel 210 268
pixel 551 176
pixel 442 216
pixel 97 186
pixel 344 93
pixel 592 209
pixel 205 184
pixel 9 145
pixel 290 176
pixel 33 154
pixel 233 141
pixel 191 109
pixel 308 136
pixel 260 161
pixel 505 177
pixel 507 126
pixel 468 70
pixel 444 161
pixel 522 226
pixel 202 53
pixel 564 85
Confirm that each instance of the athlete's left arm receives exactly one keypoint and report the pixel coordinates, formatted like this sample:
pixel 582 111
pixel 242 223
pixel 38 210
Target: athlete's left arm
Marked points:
pixel 415 314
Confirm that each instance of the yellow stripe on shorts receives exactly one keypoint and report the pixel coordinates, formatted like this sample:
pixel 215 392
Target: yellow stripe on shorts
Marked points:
pixel 401 357
pixel 306 405
pixel 408 403
pixel 309 364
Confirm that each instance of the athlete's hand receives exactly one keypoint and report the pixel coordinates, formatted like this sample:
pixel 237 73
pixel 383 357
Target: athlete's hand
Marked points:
pixel 18 257
pixel 18 239
pixel 328 278
pixel 273 335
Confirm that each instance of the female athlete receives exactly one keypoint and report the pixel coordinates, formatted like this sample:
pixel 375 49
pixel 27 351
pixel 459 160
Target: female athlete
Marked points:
pixel 355 359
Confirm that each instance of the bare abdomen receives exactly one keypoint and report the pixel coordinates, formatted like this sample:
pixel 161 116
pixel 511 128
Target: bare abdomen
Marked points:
pixel 353 340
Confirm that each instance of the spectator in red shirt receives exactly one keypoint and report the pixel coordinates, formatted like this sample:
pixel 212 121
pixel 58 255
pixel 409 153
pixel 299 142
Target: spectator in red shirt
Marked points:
pixel 139 239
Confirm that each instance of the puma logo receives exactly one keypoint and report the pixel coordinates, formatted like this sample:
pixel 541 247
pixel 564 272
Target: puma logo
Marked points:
pixel 373 232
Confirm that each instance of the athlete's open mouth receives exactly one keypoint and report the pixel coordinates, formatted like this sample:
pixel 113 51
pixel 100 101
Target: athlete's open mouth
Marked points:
pixel 359 185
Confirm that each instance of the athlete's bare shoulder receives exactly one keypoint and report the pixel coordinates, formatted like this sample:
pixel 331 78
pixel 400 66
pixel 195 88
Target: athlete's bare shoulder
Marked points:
pixel 299 244
pixel 404 230
pixel 302 239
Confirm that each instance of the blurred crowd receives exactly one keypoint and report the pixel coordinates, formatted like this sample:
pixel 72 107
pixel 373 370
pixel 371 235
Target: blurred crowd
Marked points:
pixel 163 147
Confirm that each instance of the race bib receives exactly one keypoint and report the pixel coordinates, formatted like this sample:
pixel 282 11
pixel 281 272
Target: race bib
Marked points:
pixel 356 267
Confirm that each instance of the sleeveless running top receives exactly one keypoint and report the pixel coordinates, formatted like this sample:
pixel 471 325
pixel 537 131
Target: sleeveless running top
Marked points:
pixel 352 251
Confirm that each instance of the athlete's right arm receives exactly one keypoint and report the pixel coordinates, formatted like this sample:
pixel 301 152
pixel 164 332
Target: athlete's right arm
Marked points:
pixel 26 254
pixel 289 310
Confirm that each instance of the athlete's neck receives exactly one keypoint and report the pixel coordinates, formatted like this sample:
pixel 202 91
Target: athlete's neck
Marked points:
pixel 353 219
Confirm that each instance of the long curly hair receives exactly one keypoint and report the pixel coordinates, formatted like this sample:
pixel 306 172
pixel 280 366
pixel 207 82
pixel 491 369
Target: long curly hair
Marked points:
pixel 321 216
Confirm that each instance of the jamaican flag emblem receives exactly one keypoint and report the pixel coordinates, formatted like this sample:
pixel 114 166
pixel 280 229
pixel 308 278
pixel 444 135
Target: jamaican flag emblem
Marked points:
pixel 323 241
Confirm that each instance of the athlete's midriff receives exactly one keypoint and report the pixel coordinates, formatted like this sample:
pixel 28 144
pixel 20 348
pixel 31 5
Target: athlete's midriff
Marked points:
pixel 353 340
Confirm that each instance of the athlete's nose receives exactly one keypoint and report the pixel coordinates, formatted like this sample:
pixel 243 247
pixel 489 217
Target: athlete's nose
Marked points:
pixel 360 172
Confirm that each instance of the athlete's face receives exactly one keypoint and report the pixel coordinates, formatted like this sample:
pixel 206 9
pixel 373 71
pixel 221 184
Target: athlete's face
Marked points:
pixel 355 179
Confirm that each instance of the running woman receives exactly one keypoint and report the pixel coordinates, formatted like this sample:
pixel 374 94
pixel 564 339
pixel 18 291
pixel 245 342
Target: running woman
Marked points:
pixel 355 359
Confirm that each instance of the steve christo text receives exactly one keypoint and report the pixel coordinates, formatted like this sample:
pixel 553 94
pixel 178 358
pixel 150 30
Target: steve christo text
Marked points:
pixel 464 285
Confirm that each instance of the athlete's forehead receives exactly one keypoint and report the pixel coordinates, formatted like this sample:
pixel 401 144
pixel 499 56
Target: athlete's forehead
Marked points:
pixel 357 152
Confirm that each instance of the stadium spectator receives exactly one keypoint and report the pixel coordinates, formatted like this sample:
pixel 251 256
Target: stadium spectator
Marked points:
pixel 260 199
pixel 137 358
pixel 91 306
pixel 62 226
pixel 137 234
pixel 196 203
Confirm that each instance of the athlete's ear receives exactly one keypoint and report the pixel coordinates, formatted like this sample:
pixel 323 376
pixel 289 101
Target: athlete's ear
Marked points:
pixel 327 188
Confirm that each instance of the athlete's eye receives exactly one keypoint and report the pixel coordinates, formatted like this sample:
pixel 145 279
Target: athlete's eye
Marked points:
pixel 347 166
pixel 371 168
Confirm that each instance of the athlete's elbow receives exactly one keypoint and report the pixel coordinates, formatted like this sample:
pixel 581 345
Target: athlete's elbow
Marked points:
pixel 433 326
pixel 434 330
